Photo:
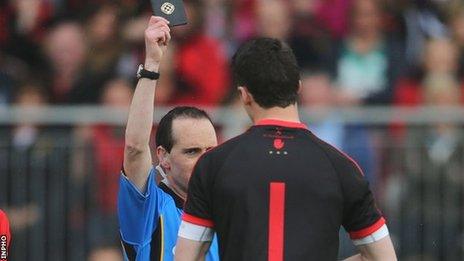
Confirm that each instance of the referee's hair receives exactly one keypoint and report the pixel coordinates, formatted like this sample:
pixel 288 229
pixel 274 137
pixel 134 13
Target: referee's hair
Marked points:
pixel 164 135
pixel 268 69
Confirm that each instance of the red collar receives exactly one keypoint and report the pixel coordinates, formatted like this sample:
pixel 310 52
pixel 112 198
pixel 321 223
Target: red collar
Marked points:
pixel 287 124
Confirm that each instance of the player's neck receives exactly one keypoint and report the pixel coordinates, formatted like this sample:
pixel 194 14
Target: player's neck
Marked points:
pixel 289 113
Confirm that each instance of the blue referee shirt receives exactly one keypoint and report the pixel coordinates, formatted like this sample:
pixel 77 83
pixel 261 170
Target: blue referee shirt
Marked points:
pixel 149 221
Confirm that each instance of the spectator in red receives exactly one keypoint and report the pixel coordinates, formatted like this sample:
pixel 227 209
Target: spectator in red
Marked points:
pixel 5 236
pixel 107 146
pixel 244 22
pixel 200 62
pixel 333 15
pixel 440 58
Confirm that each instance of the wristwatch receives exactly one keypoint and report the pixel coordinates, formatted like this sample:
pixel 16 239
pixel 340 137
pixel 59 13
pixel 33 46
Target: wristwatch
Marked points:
pixel 142 73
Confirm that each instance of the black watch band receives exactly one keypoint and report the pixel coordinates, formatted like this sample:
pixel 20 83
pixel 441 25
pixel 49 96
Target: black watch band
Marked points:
pixel 142 73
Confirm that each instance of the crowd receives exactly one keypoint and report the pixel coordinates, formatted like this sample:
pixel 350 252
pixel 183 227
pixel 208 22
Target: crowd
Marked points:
pixel 373 51
pixel 351 53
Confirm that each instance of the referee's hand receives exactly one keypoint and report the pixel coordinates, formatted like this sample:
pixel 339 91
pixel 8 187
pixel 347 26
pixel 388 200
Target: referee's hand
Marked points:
pixel 157 37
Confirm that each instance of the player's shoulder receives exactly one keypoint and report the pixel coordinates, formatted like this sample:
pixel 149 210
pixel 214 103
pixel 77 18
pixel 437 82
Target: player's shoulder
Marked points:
pixel 341 161
pixel 219 154
pixel 227 146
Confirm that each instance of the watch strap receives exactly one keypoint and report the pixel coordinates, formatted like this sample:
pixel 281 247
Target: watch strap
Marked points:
pixel 143 73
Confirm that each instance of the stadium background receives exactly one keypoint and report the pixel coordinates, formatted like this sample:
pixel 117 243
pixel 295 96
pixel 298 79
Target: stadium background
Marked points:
pixel 382 80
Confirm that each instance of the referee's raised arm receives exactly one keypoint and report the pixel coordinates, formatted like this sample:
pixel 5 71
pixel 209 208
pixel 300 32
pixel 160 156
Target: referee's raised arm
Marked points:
pixel 137 156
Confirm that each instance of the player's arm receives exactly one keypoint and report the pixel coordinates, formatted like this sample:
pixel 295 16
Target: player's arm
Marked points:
pixel 137 157
pixel 193 241
pixel 191 250
pixel 381 250
pixel 361 218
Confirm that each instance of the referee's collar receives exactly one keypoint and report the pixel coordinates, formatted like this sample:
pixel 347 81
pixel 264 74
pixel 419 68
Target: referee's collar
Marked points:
pixel 177 200
pixel 281 123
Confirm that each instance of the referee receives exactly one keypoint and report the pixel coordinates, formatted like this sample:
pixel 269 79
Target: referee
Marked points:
pixel 277 192
pixel 150 214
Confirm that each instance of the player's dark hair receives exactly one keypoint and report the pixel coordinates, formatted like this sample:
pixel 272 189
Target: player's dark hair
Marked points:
pixel 164 135
pixel 268 69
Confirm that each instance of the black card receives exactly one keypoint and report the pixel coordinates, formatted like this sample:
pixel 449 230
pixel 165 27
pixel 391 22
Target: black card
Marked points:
pixel 172 10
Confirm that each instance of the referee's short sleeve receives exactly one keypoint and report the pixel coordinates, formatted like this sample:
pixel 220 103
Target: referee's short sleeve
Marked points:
pixel 198 206
pixel 137 211
pixel 361 217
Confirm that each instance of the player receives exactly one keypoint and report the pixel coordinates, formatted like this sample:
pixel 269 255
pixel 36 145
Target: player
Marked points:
pixel 277 192
pixel 5 236
pixel 150 215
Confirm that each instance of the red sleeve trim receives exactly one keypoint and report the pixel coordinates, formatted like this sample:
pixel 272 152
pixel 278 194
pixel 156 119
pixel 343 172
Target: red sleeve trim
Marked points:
pixel 368 230
pixel 197 220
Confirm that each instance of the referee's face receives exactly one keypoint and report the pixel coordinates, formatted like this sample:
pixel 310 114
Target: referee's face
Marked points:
pixel 192 138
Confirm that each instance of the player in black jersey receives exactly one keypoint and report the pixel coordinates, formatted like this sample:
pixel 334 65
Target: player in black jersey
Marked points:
pixel 277 192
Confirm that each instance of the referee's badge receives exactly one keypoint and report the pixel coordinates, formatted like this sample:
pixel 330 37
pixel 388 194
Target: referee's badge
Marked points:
pixel 168 8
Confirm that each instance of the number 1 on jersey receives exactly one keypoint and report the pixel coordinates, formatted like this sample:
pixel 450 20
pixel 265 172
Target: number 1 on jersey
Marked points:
pixel 276 221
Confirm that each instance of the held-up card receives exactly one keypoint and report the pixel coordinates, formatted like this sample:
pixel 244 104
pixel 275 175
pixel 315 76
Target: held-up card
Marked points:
pixel 172 10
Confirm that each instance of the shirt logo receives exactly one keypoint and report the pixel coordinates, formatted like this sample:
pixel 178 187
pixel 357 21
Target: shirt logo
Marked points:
pixel 279 144
pixel 168 8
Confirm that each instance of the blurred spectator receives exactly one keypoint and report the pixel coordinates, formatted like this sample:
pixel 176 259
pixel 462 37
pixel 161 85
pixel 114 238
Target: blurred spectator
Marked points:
pixel 12 71
pixel 6 89
pixel 294 22
pixel 440 58
pixel 244 20
pixel 217 24
pixel 201 67
pixel 334 16
pixel 309 40
pixel 432 161
pixel 105 145
pixel 423 21
pixel 273 19
pixel 66 50
pixel 317 94
pixel 457 27
pixel 108 142
pixel 33 183
pixel 367 63
pixel 23 26
pixel 103 53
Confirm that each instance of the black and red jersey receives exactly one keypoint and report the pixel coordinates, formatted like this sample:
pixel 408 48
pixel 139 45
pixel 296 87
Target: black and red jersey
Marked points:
pixel 277 192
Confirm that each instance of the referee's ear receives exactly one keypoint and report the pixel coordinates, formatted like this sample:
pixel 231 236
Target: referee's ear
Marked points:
pixel 163 158
pixel 300 87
